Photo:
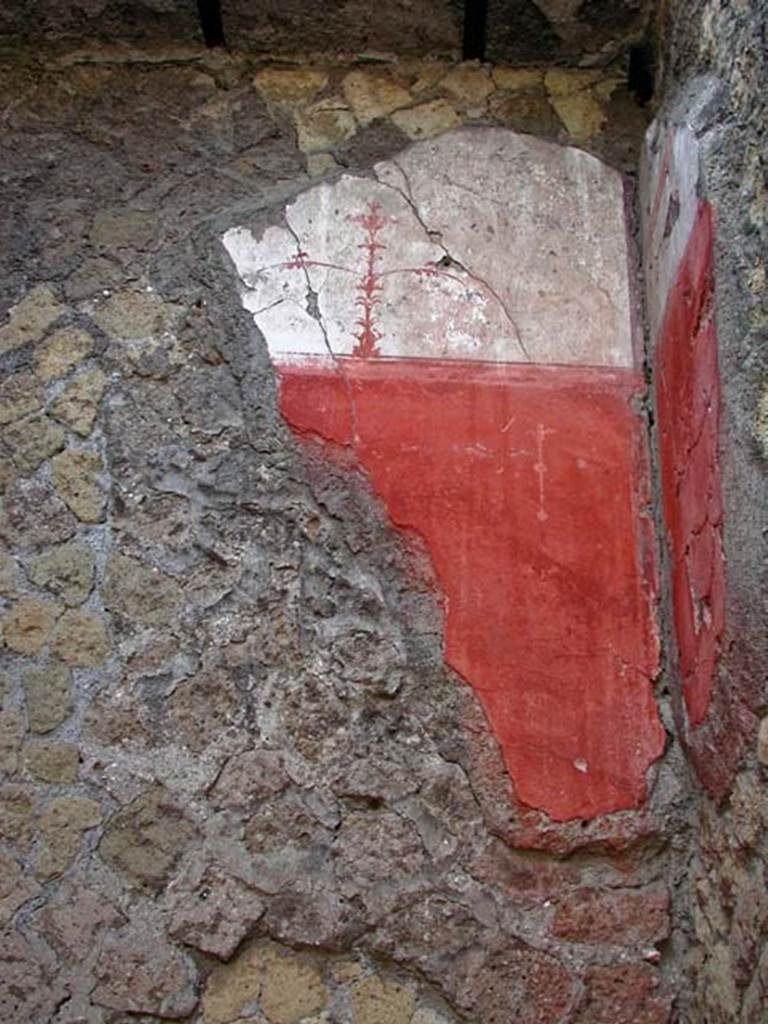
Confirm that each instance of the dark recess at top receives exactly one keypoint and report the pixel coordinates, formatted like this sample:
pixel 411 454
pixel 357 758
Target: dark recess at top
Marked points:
pixel 210 22
pixel 503 31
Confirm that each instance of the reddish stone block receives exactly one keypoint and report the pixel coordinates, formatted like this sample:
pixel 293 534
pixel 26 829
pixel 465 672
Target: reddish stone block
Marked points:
pixel 717 746
pixel 619 916
pixel 624 994
pixel 518 984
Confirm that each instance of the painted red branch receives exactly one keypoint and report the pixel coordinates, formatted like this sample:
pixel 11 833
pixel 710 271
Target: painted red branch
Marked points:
pixel 369 286
pixel 301 261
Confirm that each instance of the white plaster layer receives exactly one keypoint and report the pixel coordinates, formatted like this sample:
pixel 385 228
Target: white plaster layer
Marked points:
pixel 481 244
pixel 669 182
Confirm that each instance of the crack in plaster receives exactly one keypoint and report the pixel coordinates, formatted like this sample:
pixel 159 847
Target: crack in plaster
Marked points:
pixel 436 238
pixel 313 310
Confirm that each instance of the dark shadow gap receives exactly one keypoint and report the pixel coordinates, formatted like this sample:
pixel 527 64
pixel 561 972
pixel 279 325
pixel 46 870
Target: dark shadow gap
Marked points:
pixel 641 72
pixel 475 18
pixel 209 12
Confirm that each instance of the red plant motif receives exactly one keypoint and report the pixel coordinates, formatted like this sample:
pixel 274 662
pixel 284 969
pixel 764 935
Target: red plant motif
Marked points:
pixel 369 286
pixel 298 262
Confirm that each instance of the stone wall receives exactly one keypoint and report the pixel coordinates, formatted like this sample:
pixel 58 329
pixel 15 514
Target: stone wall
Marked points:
pixel 714 115
pixel 517 32
pixel 239 782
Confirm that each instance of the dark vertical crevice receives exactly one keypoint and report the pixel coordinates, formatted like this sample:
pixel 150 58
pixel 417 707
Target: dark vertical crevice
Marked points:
pixel 641 72
pixel 209 12
pixel 475 18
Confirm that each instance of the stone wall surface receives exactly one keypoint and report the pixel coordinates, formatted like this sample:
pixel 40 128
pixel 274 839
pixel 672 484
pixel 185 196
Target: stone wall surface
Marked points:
pixel 521 32
pixel 239 783
pixel 713 125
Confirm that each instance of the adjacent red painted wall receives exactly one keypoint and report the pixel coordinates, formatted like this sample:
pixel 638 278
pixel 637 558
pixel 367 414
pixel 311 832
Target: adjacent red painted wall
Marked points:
pixel 529 488
pixel 688 400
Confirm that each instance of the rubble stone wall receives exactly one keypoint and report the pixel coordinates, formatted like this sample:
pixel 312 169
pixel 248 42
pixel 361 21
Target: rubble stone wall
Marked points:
pixel 239 782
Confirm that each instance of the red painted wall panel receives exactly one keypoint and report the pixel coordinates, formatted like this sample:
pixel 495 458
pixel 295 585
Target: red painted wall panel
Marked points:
pixel 688 400
pixel 463 321
pixel 529 488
